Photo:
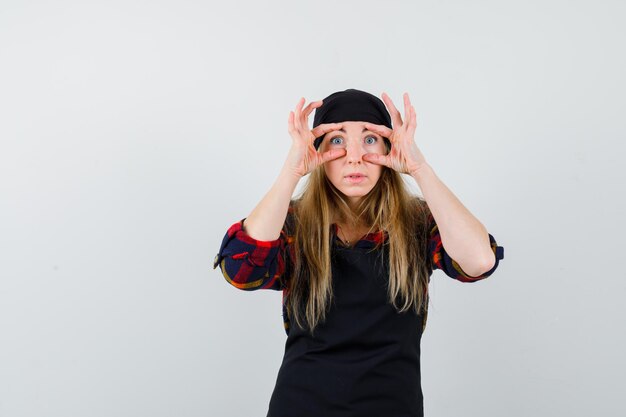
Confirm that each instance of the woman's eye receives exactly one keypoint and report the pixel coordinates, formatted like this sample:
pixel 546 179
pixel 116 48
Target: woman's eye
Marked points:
pixel 370 140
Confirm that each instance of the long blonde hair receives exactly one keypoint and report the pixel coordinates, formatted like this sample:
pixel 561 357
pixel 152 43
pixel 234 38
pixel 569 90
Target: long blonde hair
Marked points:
pixel 388 206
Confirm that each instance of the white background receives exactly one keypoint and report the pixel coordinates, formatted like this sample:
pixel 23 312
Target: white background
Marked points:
pixel 134 133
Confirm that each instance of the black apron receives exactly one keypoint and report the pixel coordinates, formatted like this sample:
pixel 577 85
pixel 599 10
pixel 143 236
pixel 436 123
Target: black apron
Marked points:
pixel 364 359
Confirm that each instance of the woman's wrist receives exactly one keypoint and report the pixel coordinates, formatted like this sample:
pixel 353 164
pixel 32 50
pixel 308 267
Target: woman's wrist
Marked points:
pixel 289 174
pixel 421 172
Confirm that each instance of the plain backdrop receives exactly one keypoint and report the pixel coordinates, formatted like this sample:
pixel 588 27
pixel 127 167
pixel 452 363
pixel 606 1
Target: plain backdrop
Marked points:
pixel 134 133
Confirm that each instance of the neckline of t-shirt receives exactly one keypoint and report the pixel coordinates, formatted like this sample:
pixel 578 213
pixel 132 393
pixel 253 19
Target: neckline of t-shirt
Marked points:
pixel 364 237
pixel 366 242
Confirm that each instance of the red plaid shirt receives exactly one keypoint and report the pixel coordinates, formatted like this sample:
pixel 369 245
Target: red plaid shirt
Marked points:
pixel 251 264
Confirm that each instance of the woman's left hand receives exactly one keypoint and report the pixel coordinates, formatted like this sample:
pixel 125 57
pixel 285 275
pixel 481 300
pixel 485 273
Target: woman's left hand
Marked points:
pixel 404 155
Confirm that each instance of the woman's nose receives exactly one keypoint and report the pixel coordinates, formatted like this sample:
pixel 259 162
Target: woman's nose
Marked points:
pixel 354 153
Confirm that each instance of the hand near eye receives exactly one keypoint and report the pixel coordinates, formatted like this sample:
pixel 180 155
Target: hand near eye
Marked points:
pixel 303 157
pixel 404 155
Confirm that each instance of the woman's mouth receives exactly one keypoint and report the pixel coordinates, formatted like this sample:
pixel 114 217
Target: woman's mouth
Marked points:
pixel 356 178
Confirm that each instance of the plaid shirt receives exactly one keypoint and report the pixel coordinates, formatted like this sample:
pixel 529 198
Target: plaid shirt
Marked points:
pixel 250 264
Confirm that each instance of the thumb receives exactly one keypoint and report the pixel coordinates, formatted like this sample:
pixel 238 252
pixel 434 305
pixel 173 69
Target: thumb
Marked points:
pixel 333 154
pixel 375 158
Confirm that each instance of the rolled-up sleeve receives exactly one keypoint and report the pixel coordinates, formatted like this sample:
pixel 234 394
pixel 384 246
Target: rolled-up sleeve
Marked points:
pixel 251 264
pixel 441 259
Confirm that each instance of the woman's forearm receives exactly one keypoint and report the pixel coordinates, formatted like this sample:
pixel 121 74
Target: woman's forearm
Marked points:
pixel 463 236
pixel 267 219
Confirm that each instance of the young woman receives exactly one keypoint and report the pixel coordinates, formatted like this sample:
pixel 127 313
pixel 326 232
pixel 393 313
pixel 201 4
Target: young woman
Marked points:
pixel 353 255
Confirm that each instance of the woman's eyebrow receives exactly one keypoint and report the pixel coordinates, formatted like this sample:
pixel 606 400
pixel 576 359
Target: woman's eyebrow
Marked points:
pixel 344 131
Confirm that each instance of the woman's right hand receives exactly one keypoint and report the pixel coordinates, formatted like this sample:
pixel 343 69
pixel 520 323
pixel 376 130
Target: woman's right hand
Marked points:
pixel 303 157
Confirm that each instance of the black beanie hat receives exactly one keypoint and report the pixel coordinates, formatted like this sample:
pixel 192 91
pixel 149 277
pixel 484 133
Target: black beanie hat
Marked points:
pixel 351 105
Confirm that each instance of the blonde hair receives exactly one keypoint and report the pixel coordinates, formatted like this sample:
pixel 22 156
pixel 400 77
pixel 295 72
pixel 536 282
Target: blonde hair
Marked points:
pixel 388 206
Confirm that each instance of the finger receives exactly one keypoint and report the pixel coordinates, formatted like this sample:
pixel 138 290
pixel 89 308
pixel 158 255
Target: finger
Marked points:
pixel 325 128
pixel 407 107
pixel 290 125
pixel 333 154
pixel 307 111
pixel 413 121
pixel 395 114
pixel 298 113
pixel 309 108
pixel 378 159
pixel 380 129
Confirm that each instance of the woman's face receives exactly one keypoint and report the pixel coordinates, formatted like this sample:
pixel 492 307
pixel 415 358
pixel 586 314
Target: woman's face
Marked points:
pixel 357 141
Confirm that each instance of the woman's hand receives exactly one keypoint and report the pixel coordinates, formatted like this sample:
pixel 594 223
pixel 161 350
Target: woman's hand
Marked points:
pixel 303 157
pixel 404 155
